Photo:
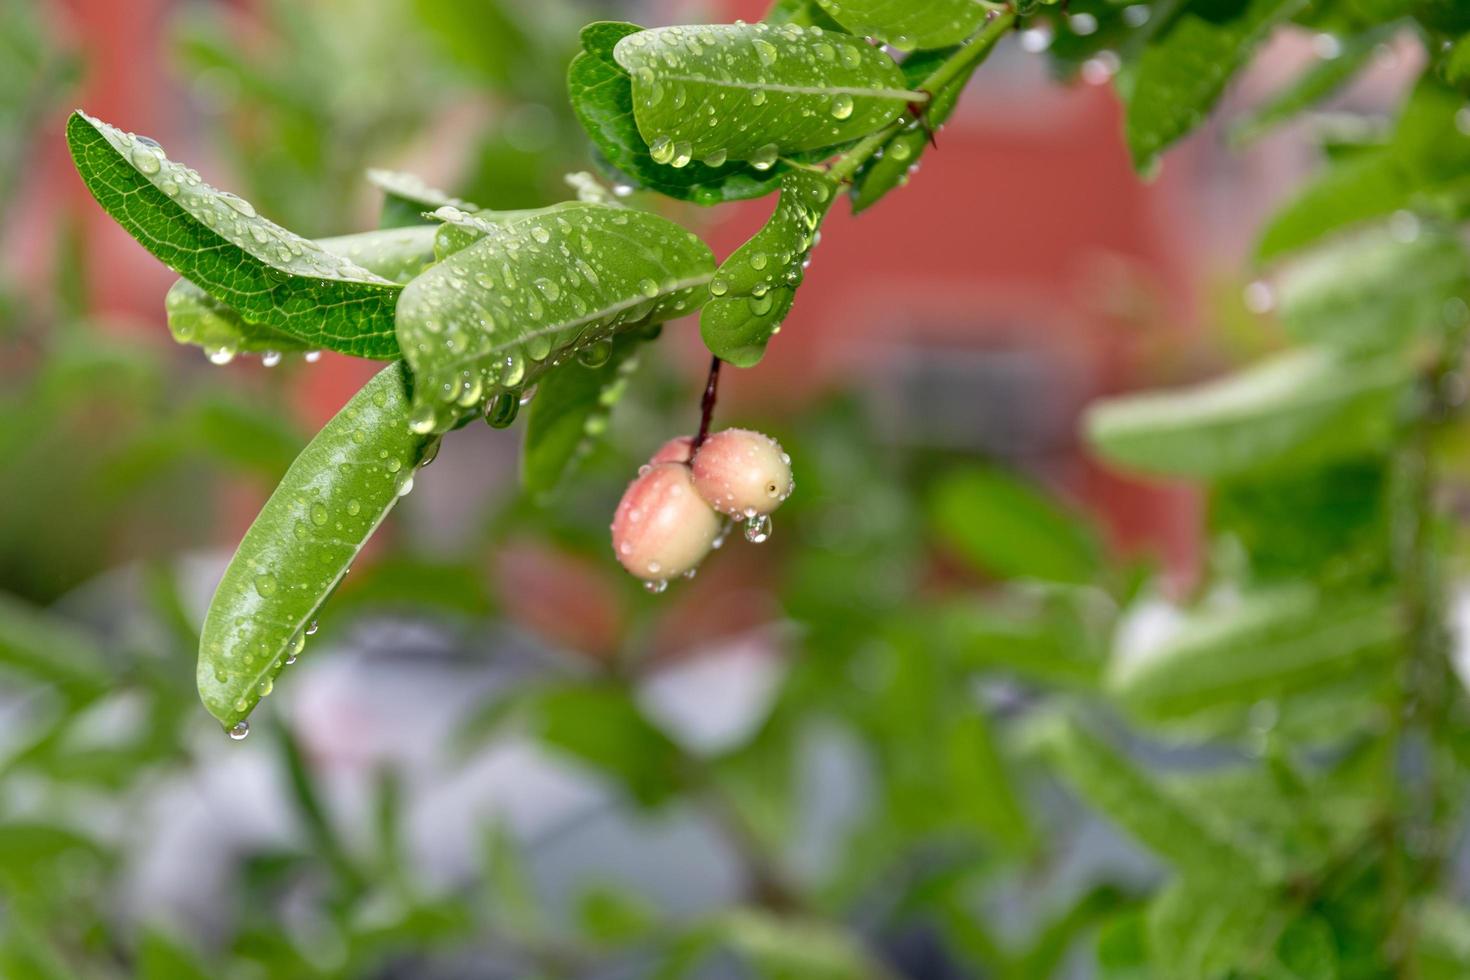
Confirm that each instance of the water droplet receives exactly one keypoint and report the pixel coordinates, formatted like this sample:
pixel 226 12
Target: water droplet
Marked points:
pixel 270 358
pixel 716 159
pixel 146 159
pixel 683 154
pixel 842 106
pixel 502 410
pixel 596 355
pixel 549 289
pixel 648 287
pixel 312 356
pixel 719 287
pixel 655 586
pixel 661 149
pixel 319 514
pixel 311 628
pixel 239 205
pixel 766 50
pixel 758 528
pixel 266 585
pixel 220 355
pixel 240 730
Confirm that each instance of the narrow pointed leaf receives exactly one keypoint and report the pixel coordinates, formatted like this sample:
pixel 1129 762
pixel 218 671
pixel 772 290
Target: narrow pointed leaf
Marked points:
pixel 1167 823
pixel 1267 646
pixel 215 239
pixel 908 25
pixel 890 169
pixel 1183 72
pixel 753 289
pixel 755 92
pixel 407 196
pixel 195 317
pixel 570 412
pixel 1323 79
pixel 328 504
pixel 602 97
pixel 493 317
pixel 1294 409
pixel 1375 291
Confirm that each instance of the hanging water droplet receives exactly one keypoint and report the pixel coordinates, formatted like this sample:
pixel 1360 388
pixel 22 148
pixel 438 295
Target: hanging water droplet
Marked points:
pixel 240 730
pixel 220 355
pixel 758 528
pixel 765 157
pixel 270 358
pixel 596 355
pixel 312 356
pixel 683 154
pixel 312 628
pixel 655 586
pixel 502 410
pixel 716 159
pixel 661 149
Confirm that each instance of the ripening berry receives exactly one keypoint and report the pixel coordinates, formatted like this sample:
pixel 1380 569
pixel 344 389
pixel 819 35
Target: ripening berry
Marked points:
pixel 662 528
pixel 676 450
pixel 742 473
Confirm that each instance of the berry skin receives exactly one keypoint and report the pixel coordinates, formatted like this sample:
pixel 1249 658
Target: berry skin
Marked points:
pixel 662 527
pixel 676 450
pixel 742 473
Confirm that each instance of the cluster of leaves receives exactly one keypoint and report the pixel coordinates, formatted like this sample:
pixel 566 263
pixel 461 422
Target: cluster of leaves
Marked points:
pixel 1314 662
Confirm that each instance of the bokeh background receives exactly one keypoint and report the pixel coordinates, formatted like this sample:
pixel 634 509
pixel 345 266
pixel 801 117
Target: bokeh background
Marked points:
pixel 732 767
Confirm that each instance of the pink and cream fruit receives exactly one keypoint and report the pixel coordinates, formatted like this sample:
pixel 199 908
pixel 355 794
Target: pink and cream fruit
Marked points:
pixel 742 473
pixel 677 450
pixel 663 528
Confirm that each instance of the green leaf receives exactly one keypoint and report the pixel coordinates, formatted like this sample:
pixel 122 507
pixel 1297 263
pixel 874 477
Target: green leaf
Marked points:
pixel 890 168
pixel 1167 823
pixel 803 13
pixel 614 916
pixel 1009 529
pixel 1320 81
pixel 1183 71
pixel 216 239
pixel 1375 291
pixel 907 25
pixel 602 726
pixel 44 647
pixel 570 411
pixel 195 317
pixel 755 92
pixel 1122 948
pixel 1423 163
pixel 494 317
pixel 1210 930
pixel 1302 407
pixel 1266 646
pixel 406 197
pixel 329 502
pixel 602 97
pixel 753 289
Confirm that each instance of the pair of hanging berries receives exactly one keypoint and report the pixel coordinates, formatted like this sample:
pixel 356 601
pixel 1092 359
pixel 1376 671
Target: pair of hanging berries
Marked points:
pixel 674 511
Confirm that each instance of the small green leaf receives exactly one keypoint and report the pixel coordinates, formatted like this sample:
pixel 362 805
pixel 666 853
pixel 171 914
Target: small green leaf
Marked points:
pixel 908 25
pixel 602 726
pixel 407 196
pixel 1425 161
pixel 753 289
pixel 755 92
pixel 1375 291
pixel 803 13
pixel 1212 929
pixel 195 317
pixel 328 504
pixel 1182 73
pixel 1165 822
pixel 890 168
pixel 1010 529
pixel 602 97
pixel 494 317
pixel 271 276
pixel 570 411
pixel 1293 409
pixel 1267 646
pixel 1317 83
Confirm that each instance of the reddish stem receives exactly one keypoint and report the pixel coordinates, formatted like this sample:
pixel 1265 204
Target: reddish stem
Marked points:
pixel 707 405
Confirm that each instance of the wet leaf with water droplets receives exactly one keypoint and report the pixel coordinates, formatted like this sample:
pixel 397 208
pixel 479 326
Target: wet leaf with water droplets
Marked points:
pixel 738 89
pixel 195 317
pixel 602 97
pixel 329 502
pixel 484 321
pixel 753 289
pixel 407 196
pixel 908 25
pixel 270 275
pixel 570 411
